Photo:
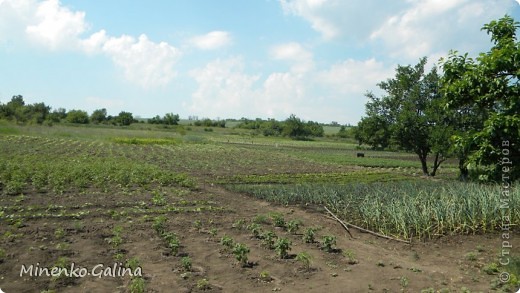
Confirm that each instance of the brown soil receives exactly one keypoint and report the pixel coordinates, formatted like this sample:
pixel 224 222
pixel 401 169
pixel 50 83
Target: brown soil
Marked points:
pixel 382 265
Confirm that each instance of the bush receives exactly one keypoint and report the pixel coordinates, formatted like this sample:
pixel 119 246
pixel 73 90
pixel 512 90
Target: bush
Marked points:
pixel 77 116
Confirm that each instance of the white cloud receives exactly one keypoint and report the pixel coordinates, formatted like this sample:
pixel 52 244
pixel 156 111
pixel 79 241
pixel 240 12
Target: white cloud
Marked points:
pixel 282 94
pixel 223 89
pixel 94 43
pixel 354 77
pixel 144 62
pixel 301 58
pixel 56 26
pixel 432 27
pixel 226 90
pixel 294 52
pixel 212 40
pixel 353 19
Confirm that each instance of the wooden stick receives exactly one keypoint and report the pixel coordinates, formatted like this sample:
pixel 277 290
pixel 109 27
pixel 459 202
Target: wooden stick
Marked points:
pixel 345 225
pixel 341 222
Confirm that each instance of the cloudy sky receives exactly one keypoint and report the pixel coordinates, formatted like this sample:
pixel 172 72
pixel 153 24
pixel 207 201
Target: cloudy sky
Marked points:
pixel 227 58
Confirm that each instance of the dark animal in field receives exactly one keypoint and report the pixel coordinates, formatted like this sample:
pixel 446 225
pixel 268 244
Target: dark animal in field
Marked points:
pixel 360 155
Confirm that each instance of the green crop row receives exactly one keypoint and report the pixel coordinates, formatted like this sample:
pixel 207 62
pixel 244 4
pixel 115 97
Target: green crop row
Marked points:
pixel 423 209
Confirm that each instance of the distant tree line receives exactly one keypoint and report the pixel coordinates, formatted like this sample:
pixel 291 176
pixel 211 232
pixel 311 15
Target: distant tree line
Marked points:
pixel 292 127
pixel 210 123
pixel 17 110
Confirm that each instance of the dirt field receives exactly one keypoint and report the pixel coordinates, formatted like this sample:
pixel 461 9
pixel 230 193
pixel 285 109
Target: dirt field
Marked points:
pixel 117 225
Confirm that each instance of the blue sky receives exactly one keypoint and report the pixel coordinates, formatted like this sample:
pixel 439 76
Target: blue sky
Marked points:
pixel 227 58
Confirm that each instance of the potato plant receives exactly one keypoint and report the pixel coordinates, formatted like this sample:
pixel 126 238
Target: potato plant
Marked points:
pixel 328 244
pixel 241 252
pixel 282 247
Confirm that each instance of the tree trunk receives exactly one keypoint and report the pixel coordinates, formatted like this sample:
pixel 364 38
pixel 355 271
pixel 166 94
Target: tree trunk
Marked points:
pixel 424 163
pixel 437 163
pixel 463 170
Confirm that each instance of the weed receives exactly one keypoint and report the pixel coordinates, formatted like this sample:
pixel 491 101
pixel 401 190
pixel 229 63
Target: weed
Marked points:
pixel 239 224
pixel 132 263
pixel 351 256
pixel 119 256
pixel 186 263
pixel 471 256
pixel 203 284
pixel 62 264
pixel 491 268
pixel 59 233
pixel 416 256
pixel 261 219
pixel 174 245
pixel 158 198
pixel 265 276
pixel 115 240
pixel 282 247
pixel 3 254
pixel 159 224
pixel 198 225
pixel 213 232
pixel 328 243
pixel 137 285
pixel 305 259
pixel 78 226
pixel 404 282
pixel 62 246
pixel 241 252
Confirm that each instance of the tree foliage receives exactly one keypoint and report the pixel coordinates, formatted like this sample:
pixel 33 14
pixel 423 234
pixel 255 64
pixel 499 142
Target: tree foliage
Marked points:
pixel 408 116
pixel 77 116
pixel 125 118
pixel 99 116
pixel 17 110
pixel 485 93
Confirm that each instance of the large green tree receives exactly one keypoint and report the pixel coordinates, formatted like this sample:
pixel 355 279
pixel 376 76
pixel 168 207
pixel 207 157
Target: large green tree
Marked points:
pixel 408 116
pixel 487 90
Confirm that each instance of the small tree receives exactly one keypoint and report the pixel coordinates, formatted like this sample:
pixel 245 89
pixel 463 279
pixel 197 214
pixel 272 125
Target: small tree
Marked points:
pixel 409 116
pixel 99 116
pixel 77 116
pixel 125 118
pixel 170 119
pixel 295 128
